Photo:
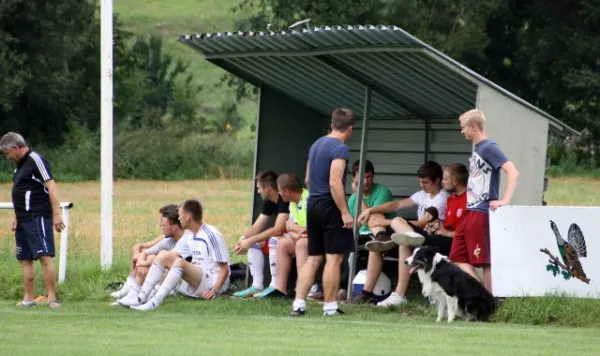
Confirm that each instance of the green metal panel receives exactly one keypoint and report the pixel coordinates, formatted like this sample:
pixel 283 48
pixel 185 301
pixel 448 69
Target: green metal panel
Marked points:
pixel 286 131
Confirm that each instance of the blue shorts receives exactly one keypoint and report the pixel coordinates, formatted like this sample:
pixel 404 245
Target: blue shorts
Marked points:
pixel 35 238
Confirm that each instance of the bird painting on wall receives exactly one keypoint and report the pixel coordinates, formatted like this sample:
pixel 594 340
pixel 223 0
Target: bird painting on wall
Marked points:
pixel 570 251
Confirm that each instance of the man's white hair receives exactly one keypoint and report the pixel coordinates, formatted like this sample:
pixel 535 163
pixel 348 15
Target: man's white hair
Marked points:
pixel 11 140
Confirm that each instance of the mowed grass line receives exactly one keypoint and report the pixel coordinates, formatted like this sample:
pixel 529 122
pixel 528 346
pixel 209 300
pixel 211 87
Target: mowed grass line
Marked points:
pixel 201 328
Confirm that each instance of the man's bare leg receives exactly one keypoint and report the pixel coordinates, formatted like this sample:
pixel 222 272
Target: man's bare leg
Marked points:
pixel 301 253
pixel 28 274
pixel 49 273
pixel 374 268
pixel 331 282
pixel 487 277
pixel 306 279
pixel 398 296
pixel 285 250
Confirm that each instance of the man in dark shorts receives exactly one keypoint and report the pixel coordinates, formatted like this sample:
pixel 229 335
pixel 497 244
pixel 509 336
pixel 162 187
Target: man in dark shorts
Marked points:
pixel 471 244
pixel 328 221
pixel 36 205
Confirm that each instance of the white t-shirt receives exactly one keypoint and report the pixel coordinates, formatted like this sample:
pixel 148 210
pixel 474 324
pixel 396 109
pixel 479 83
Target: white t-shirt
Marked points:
pixel 182 247
pixel 165 244
pixel 207 248
pixel 424 201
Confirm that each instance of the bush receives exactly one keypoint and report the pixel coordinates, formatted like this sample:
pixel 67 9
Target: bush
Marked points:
pixel 148 154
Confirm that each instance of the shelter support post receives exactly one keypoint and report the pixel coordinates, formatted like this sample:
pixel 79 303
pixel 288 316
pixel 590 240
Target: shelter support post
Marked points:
pixel 427 140
pixel 359 190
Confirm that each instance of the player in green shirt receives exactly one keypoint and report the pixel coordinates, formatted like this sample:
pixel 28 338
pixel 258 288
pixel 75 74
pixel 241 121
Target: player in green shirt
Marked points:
pixel 373 194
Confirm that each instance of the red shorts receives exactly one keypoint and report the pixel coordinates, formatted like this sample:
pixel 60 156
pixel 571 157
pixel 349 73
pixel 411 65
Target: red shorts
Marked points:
pixel 471 242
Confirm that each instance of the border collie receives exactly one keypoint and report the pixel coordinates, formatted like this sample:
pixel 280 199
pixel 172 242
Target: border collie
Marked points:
pixel 455 291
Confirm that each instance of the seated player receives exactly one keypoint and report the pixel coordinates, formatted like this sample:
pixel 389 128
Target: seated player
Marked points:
pixel 205 277
pixel 295 240
pixel 174 234
pixel 254 240
pixel 137 250
pixel 431 194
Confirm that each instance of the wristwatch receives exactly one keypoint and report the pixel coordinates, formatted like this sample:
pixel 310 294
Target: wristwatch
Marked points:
pixel 214 290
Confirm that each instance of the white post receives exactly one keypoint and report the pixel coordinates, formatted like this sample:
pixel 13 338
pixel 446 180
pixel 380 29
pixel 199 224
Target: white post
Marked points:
pixel 64 243
pixel 106 114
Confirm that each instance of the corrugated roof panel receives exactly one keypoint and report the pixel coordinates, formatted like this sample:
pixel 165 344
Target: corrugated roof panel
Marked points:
pixel 408 77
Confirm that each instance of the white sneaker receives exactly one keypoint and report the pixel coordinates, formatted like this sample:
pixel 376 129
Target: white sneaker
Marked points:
pixel 121 292
pixel 393 300
pixel 152 304
pixel 114 303
pixel 409 238
pixel 129 300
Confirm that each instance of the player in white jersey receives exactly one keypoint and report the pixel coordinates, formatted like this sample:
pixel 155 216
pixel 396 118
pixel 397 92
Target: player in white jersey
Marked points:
pixel 174 235
pixel 137 251
pixel 205 277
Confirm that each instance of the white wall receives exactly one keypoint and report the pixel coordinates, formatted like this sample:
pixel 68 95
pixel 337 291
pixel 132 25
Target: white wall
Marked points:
pixel 523 136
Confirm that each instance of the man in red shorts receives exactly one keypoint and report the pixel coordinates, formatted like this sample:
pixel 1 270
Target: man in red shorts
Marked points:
pixel 471 243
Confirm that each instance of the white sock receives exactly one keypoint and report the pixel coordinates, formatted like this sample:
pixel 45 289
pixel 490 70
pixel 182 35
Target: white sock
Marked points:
pixel 171 281
pixel 153 293
pixel 273 261
pixel 256 262
pixel 299 304
pixel 330 308
pixel 154 275
pixel 131 281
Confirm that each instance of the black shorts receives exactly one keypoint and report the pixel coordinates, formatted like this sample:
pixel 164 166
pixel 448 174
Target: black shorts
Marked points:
pixel 325 229
pixel 442 242
pixel 417 229
pixel 35 238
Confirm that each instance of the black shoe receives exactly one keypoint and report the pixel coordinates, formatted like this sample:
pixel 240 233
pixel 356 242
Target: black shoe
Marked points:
pixel 382 242
pixel 275 294
pixel 337 312
pixel 297 313
pixel 361 298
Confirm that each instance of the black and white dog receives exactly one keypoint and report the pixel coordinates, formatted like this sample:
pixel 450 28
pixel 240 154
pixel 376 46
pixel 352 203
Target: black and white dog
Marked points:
pixel 455 291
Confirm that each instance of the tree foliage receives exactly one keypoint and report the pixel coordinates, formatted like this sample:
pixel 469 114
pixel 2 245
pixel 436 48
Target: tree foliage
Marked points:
pixel 547 52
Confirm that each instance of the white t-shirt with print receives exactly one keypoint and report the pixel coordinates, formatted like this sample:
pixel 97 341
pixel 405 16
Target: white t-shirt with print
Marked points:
pixel 424 201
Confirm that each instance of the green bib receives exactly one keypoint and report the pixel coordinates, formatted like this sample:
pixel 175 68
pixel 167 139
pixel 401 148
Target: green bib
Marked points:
pixel 298 211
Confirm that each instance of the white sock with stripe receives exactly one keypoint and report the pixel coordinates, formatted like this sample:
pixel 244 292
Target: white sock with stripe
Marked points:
pixel 272 261
pixel 171 281
pixel 154 275
pixel 256 262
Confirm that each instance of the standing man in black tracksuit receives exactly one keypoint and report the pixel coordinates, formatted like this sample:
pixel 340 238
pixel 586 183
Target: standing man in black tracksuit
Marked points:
pixel 37 212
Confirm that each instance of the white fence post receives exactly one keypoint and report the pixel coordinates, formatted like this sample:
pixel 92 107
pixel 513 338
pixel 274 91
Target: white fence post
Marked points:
pixel 64 237
pixel 64 243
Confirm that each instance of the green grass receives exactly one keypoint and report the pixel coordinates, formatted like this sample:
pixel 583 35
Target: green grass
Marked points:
pixel 173 18
pixel 229 327
pixel 87 324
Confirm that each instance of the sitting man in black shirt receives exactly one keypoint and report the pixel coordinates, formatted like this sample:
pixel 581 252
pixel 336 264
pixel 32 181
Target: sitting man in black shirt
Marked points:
pixel 254 241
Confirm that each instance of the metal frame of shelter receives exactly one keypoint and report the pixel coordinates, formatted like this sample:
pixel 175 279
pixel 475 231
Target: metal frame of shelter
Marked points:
pixel 329 66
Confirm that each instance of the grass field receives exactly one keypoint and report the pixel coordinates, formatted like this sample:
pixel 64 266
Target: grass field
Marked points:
pixel 87 324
